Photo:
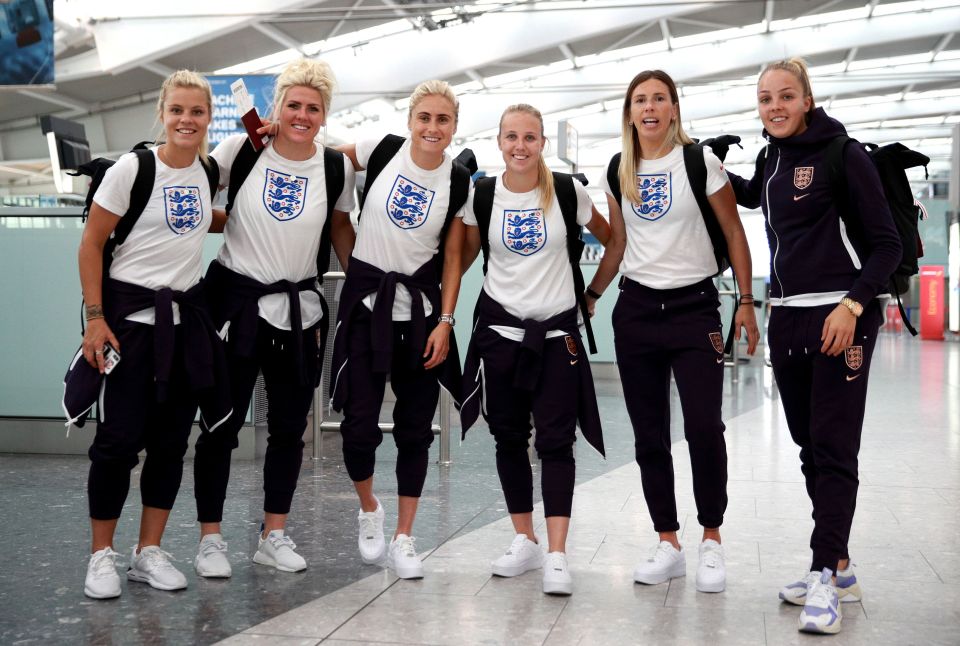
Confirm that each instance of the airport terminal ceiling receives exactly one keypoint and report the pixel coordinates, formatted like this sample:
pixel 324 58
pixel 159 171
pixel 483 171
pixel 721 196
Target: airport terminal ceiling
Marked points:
pixel 890 70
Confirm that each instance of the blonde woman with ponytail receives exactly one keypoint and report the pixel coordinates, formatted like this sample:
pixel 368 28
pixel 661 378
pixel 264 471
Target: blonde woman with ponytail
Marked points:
pixel 149 308
pixel 526 355
pixel 826 284
pixel 666 319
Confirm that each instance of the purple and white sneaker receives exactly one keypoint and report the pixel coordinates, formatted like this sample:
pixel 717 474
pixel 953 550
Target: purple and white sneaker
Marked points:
pixel 848 588
pixel 822 613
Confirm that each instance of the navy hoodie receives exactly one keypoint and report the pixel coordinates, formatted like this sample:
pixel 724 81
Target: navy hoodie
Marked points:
pixel 813 260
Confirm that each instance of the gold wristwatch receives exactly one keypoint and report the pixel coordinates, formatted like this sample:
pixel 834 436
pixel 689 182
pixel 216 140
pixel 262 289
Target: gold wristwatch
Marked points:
pixel 855 308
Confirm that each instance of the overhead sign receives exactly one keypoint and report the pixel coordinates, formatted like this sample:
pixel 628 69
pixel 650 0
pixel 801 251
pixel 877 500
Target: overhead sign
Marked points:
pixel 227 114
pixel 26 42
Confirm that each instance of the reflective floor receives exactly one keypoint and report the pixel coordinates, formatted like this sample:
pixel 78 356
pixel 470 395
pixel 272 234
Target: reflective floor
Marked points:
pixel 904 541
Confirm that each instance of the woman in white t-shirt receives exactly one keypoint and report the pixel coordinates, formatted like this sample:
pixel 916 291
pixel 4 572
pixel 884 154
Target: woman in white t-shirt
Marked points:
pixel 149 307
pixel 667 320
pixel 263 289
pixel 526 356
pixel 392 318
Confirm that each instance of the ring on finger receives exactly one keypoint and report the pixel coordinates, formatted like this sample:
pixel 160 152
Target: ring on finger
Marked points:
pixel 98 351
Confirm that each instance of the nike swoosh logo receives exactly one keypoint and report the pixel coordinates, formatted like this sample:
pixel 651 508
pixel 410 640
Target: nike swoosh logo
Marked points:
pixel 797 198
pixel 852 377
pixel 720 360
pixel 573 362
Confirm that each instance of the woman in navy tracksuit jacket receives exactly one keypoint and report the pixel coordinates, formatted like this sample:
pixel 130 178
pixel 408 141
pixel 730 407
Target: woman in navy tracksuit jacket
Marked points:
pixel 826 313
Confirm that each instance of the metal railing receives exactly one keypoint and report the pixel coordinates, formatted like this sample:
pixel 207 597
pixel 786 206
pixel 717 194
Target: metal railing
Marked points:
pixel 331 281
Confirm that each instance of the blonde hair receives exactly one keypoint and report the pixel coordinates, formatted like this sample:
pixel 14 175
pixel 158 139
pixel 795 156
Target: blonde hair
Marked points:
pixel 190 80
pixel 797 67
pixel 630 154
pixel 544 176
pixel 434 87
pixel 305 72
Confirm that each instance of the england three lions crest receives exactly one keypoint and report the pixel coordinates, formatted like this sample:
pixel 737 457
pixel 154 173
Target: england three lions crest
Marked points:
pixel 183 208
pixel 284 195
pixel 524 231
pixel 656 195
pixel 802 177
pixel 408 203
pixel 854 356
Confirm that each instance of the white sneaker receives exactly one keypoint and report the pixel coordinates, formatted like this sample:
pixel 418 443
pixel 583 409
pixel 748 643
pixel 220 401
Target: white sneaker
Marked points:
pixel 711 572
pixel 556 574
pixel 666 563
pixel 848 588
pixel 211 561
pixel 102 580
pixel 152 565
pixel 822 612
pixel 522 555
pixel 373 548
pixel 402 558
pixel 277 551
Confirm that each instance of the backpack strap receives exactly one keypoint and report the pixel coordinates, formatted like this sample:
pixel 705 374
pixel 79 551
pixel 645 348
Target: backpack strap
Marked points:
pixel 243 163
pixel 379 158
pixel 567 199
pixel 483 190
pixel 696 169
pixel 459 190
pixel 139 195
pixel 335 178
pixel 212 170
pixel 613 178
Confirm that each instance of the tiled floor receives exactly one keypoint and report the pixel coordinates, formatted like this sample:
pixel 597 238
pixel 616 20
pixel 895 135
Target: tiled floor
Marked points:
pixel 904 543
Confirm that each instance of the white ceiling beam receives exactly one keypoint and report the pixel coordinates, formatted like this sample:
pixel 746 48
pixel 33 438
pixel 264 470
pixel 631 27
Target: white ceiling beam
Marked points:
pixel 475 76
pixel 665 32
pixel 158 68
pixel 488 39
pixel 568 53
pixel 941 45
pixel 58 99
pixel 767 15
pixel 337 27
pixel 606 81
pixel 278 36
pixel 821 8
pixel 150 31
pixel 633 34
pixel 871 6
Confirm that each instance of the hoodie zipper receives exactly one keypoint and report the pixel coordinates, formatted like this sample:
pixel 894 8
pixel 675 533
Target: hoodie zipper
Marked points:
pixel 770 220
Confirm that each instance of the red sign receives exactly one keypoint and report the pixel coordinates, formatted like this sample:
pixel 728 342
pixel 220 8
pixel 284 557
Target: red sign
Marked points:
pixel 932 307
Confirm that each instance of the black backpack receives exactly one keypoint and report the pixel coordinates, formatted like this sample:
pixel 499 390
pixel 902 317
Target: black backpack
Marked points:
pixel 247 158
pixel 464 165
pixel 139 193
pixel 567 198
pixel 696 170
pixel 891 162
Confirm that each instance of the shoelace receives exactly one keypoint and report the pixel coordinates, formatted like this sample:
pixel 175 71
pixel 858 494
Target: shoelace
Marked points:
pixel 712 558
pixel 368 526
pixel 104 562
pixel 810 580
pixel 209 547
pixel 821 595
pixel 157 558
pixel 405 546
pixel 662 552
pixel 281 541
pixel 517 544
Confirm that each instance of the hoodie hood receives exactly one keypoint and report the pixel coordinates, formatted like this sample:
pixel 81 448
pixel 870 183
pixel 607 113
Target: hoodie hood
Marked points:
pixel 820 131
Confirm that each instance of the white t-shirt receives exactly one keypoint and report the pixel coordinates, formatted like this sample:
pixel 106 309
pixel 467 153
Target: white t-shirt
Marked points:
pixel 273 232
pixel 165 246
pixel 528 271
pixel 667 242
pixel 402 219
